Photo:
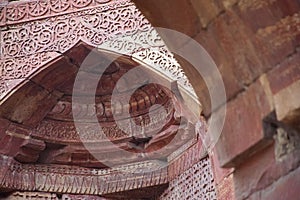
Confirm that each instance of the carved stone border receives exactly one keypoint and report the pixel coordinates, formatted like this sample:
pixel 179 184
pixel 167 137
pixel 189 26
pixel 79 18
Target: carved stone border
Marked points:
pixel 78 180
pixel 23 11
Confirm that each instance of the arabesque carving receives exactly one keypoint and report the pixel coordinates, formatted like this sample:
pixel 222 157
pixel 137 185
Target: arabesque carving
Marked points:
pixel 36 32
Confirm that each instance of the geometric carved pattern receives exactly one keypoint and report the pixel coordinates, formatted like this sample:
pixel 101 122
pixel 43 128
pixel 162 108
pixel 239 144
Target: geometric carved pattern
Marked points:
pixel 195 183
pixel 78 180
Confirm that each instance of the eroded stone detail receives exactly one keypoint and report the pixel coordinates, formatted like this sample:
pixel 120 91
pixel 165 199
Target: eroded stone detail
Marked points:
pixel 286 142
pixel 105 110
pixel 66 132
pixel 254 4
pixel 32 196
pixel 281 32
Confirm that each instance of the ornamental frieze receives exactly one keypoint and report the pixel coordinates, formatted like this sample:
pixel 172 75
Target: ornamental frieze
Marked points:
pixel 36 32
pixel 78 180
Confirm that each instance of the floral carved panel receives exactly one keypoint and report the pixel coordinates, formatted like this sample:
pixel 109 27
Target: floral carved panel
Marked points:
pixel 34 33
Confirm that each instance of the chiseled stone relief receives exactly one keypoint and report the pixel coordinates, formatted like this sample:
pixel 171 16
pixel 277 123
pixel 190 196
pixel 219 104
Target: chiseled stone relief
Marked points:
pixel 35 32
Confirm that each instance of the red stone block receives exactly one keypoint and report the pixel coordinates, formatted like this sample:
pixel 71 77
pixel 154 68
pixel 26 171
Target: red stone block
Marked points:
pixel 286 74
pixel 265 171
pixel 224 63
pixel 245 182
pixel 278 40
pixel 275 171
pixel 243 133
pixel 29 104
pixel 219 173
pixel 286 187
pixel 265 13
pixel 10 145
pixel 207 10
pixel 237 42
pixel 55 73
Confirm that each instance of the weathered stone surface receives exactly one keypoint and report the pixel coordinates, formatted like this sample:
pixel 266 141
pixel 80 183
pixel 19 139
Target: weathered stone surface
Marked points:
pixel 29 104
pixel 229 3
pixel 287 140
pixel 4 124
pixel 284 82
pixel 237 142
pixel 265 171
pixel 235 39
pixel 285 74
pixel 258 166
pixel 286 187
pixel 10 145
pixel 263 79
pixel 55 73
pixel 224 63
pixel 263 13
pixel 288 111
pixel 206 10
pixel 278 40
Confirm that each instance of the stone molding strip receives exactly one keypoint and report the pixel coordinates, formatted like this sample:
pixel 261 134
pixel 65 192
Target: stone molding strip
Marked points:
pixel 78 180
pixel 25 11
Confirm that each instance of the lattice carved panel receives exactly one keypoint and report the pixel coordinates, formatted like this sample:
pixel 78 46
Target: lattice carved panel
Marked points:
pixel 195 183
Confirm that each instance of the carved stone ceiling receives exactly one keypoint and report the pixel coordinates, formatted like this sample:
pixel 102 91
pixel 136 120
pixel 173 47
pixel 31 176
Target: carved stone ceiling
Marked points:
pixel 43 107
pixel 43 45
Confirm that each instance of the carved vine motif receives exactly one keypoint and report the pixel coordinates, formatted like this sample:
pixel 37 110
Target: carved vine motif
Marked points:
pixel 60 33
pixel 163 60
pixel 21 67
pixel 30 10
pixel 134 43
